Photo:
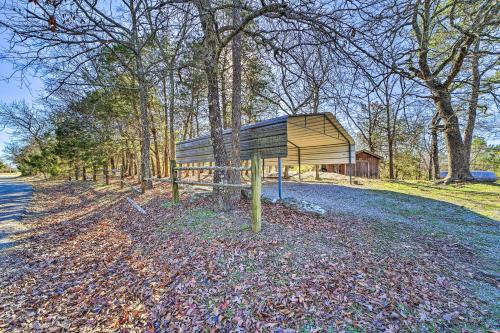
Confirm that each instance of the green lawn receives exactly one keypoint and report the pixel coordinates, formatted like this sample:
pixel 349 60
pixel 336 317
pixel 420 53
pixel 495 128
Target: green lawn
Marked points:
pixel 481 198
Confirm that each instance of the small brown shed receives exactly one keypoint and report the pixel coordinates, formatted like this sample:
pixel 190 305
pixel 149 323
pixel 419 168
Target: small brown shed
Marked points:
pixel 367 165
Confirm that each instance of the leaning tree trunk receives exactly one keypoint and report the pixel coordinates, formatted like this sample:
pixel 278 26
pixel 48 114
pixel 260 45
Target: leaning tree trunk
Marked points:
pixel 458 166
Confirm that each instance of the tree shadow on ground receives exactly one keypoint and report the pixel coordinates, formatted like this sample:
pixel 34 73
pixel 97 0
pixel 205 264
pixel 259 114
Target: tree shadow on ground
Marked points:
pixel 396 212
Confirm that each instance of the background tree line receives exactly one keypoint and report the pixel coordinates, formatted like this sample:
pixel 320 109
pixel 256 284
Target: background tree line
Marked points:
pixel 124 81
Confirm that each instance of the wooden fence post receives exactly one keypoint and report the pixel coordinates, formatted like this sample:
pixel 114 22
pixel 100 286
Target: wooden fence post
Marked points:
pixel 175 186
pixel 256 192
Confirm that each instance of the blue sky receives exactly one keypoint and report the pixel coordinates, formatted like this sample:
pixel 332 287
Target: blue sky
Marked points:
pixel 11 88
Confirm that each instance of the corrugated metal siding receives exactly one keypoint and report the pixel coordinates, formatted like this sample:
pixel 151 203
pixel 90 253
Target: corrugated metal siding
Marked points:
pixel 269 137
pixel 317 138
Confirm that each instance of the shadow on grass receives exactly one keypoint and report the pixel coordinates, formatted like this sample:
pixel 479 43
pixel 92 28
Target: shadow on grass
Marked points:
pixel 400 211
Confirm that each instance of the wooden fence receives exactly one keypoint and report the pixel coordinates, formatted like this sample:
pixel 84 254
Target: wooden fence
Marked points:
pixel 256 184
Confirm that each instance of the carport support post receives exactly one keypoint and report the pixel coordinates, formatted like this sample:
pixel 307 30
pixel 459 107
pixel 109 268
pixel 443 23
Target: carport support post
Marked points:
pixel 300 176
pixel 256 193
pixel 350 165
pixel 280 185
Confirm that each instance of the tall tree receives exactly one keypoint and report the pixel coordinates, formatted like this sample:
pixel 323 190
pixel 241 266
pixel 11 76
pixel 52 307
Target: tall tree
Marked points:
pixel 236 98
pixel 439 68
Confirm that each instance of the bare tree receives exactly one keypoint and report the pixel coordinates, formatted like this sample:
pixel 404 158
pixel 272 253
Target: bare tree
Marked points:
pixel 439 72
pixel 80 32
pixel 27 122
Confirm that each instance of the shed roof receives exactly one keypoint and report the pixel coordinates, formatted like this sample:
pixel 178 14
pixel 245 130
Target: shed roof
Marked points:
pixel 369 153
pixel 298 139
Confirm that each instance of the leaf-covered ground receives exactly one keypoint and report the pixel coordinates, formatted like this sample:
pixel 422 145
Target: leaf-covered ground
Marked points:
pixel 90 262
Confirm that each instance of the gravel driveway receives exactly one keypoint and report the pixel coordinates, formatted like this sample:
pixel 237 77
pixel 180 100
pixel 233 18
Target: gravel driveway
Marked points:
pixel 382 205
pixel 337 199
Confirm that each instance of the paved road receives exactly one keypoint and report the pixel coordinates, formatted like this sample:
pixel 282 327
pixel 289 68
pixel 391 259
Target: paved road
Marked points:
pixel 14 198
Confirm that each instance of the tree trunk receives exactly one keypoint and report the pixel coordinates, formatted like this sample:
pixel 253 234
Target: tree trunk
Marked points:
pixel 236 102
pixel 187 123
pixel 473 101
pixel 316 169
pixel 390 146
pixel 429 168
pixel 434 146
pixel 136 162
pixel 211 70
pixel 165 154
pixel 147 182
pixel 458 167
pixel 216 135
pixel 106 172
pixel 171 87
pixel 225 118
pixel 130 164
pixel 390 142
pixel 123 166
pixel 166 157
pixel 156 149
pixel 84 173
pixel 153 170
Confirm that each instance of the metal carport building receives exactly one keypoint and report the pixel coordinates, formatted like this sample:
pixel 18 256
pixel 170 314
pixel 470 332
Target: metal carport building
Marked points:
pixel 287 140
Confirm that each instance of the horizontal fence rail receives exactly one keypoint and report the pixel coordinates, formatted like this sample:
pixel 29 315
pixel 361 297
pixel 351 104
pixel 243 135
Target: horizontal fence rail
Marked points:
pixel 256 184
pixel 216 168
pixel 213 184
